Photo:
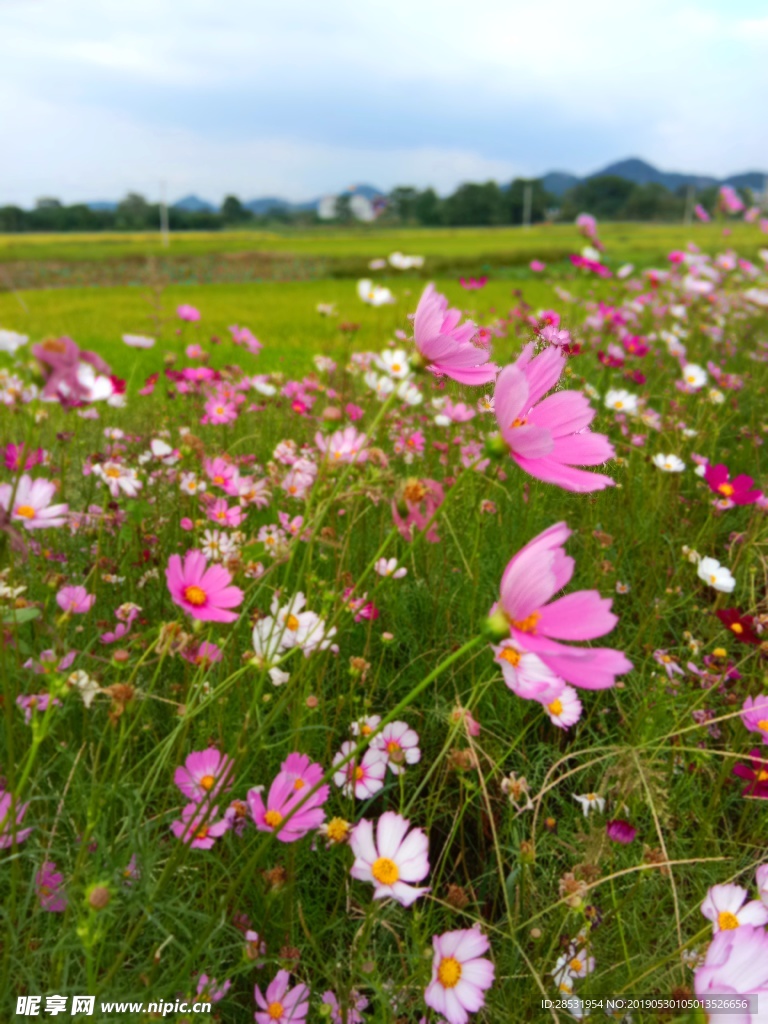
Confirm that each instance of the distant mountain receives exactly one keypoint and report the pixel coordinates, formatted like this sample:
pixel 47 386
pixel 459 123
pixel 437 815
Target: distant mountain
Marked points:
pixel 193 204
pixel 558 182
pixel 265 204
pixel 756 180
pixel 642 173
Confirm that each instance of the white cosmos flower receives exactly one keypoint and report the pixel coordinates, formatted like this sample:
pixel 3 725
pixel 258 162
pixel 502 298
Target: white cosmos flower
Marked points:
pixel 388 567
pixel 621 401
pixel 590 802
pixel 395 363
pixel 669 463
pixel 382 385
pixel 695 376
pixel 392 859
pixel 726 907
pixel 138 341
pixel 409 393
pixel 10 341
pixel 374 294
pixel 716 576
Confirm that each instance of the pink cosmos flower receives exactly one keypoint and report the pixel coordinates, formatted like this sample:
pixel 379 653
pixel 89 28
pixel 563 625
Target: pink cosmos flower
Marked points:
pixel 701 213
pixel 532 577
pixel 9 830
pixel 526 675
pixel 222 474
pixel 74 376
pixel 754 715
pixel 349 1013
pixel 75 600
pixel 565 710
pixel 197 827
pixel 399 744
pixel 460 974
pixel 738 491
pixel 204 774
pixel 727 908
pixel 210 990
pixel 218 511
pixel 288 790
pixel 363 778
pixel 13 454
pixel 32 503
pixel 736 962
pixel 761 879
pixel 445 347
pixel 345 445
pixel 549 438
pixel 465 716
pixel 244 336
pixel 280 1004
pixel 36 702
pixel 219 411
pixel 203 591
pixel 49 886
pixel 537 266
pixel 188 313
pixel 392 860
pixel 420 500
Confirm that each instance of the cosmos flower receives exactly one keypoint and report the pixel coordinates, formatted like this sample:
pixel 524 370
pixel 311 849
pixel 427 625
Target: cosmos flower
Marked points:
pixel 444 346
pixel 393 860
pixel 363 778
pixel 754 715
pixel 10 832
pixel 736 962
pixel 289 789
pixel 348 1013
pixel 620 831
pixel 197 827
pixel 669 463
pixel 347 445
pixel 188 313
pixel 590 802
pixel 548 437
pixel 532 577
pixel 460 974
pixel 32 503
pixel 716 576
pixel 727 908
pixel 281 1004
pixel 203 591
pixel 739 491
pixel 388 567
pixel 49 887
pixel 399 744
pixel 756 774
pixel 742 626
pixel 204 774
pixel 75 600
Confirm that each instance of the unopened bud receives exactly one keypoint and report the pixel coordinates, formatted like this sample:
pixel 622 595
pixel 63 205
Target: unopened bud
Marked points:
pixel 496 626
pixel 496 446
pixel 98 897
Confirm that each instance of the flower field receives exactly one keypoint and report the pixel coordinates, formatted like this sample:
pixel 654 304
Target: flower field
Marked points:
pixel 408 665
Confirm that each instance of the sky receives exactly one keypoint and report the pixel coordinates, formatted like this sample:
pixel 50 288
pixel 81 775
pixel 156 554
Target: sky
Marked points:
pixel 306 97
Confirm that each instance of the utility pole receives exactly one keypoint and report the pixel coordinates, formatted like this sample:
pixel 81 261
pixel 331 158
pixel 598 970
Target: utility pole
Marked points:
pixel 527 204
pixel 164 231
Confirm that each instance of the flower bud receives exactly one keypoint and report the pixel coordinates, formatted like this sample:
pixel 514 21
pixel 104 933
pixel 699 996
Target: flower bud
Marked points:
pixel 496 626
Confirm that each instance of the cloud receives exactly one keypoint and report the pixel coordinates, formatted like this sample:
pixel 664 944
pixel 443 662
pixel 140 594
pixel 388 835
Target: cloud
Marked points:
pixel 301 98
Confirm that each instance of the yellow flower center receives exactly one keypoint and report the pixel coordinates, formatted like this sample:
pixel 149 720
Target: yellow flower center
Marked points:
pixel 25 511
pixel 275 1011
pixel 720 652
pixel 385 871
pixel 207 782
pixel 762 776
pixel 113 472
pixel 396 367
pixel 511 655
pixel 576 965
pixel 202 832
pixel 292 623
pixel 763 725
pixel 337 830
pixel 528 624
pixel 449 972
pixel 392 746
pixel 737 628
pixel 517 422
pixel 358 773
pixel 726 489
pixel 727 920
pixel 195 596
pixel 555 708
pixel 273 818
pixel 365 730
pixel 299 784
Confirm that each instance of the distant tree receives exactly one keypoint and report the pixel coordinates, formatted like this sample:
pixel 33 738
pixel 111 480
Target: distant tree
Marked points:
pixel 134 213
pixel 512 200
pixel 344 209
pixel 12 218
pixel 603 197
pixel 402 203
pixel 233 211
pixel 474 204
pixel 47 203
pixel 428 208
pixel 653 202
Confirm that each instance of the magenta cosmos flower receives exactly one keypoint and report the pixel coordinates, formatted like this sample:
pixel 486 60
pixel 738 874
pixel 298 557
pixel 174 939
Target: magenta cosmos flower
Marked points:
pixel 203 592
pixel 444 346
pixel 548 437
pixel 460 974
pixel 738 491
pixel 9 830
pixel 754 715
pixel 280 1004
pixel 532 577
pixel 204 774
pixel 756 774
pixel 29 503
pixel 392 860
pixel 75 600
pixel 198 828
pixel 289 788
pixel 49 886
pixel 736 962
pixel 188 313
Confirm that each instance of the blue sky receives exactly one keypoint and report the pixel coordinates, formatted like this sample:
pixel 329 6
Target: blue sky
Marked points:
pixel 98 97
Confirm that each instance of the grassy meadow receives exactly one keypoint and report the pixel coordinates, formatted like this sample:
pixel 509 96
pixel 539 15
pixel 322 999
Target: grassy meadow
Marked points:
pixel 582 852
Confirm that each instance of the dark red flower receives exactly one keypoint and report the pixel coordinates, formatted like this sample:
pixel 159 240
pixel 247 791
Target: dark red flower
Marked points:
pixel 620 831
pixel 740 625
pixel 756 774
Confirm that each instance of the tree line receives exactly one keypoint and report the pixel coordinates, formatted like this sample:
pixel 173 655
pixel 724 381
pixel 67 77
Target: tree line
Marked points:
pixel 472 204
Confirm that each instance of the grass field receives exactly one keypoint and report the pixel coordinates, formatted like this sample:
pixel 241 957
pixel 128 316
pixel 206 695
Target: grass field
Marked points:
pixel 581 850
